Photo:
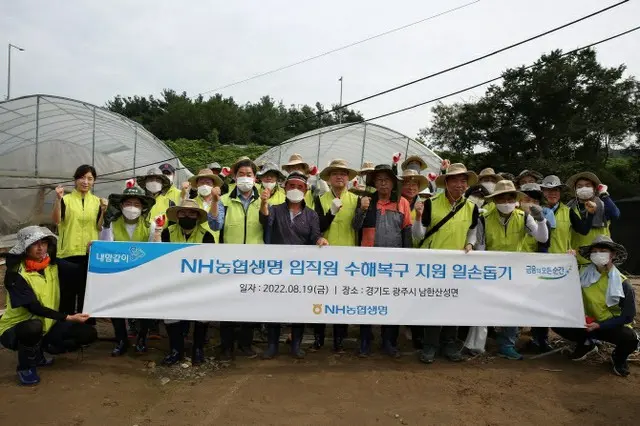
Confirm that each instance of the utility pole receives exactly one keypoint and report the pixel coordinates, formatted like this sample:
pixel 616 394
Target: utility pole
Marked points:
pixel 340 110
pixel 9 68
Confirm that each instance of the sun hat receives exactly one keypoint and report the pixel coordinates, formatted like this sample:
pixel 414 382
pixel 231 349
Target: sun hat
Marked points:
pixel 476 190
pixel 206 173
pixel 188 204
pixel 532 190
pixel 457 169
pixel 571 182
pixel 234 167
pixel 273 168
pixel 552 181
pixel 29 235
pixel 367 167
pixel 410 175
pixel 116 200
pixel 337 164
pixel 382 168
pixel 507 176
pixel 537 176
pixel 294 160
pixel 156 173
pixel 412 159
pixel 620 253
pixel 489 173
pixel 503 187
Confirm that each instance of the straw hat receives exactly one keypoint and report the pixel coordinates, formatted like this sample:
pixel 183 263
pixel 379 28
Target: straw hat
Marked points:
pixel 29 235
pixel 410 175
pixel 382 168
pixel 619 252
pixel 294 160
pixel 571 182
pixel 489 173
pixel 156 173
pixel 337 164
pixel 273 168
pixel 552 181
pixel 411 159
pixel 172 212
pixel 457 169
pixel 132 192
pixel 367 167
pixel 503 187
pixel 234 167
pixel 537 176
pixel 206 173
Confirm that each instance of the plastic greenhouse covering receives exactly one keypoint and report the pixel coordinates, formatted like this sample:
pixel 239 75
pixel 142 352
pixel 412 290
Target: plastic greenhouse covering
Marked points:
pixel 355 143
pixel 43 139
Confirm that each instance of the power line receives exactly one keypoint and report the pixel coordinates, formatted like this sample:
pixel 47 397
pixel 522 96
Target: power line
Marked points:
pixel 347 46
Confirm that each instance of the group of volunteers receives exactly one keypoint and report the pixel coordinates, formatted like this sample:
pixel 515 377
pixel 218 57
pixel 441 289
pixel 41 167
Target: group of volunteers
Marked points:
pixel 386 205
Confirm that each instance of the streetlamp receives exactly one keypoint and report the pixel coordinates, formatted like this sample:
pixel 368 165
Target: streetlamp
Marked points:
pixel 9 68
pixel 340 110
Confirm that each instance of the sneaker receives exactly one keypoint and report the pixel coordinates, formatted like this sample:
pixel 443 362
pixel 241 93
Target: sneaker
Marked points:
pixel 428 355
pixel 28 377
pixel 510 352
pixel 539 347
pixel 620 368
pixel 174 357
pixel 581 352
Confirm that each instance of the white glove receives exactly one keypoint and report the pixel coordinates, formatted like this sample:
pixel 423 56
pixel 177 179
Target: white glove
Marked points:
pixel 336 205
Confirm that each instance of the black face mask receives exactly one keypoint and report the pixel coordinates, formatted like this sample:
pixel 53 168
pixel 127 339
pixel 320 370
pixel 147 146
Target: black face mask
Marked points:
pixel 187 223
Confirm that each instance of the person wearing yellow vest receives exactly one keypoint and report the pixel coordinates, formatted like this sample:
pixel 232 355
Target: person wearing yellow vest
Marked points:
pixel 207 185
pixel 336 209
pixel 609 305
pixel 79 217
pixel 155 185
pixel 359 184
pixel 447 221
pixel 240 225
pixel 296 163
pixel 172 193
pixel 592 201
pixel 527 176
pixel 270 178
pixel 505 229
pixel 130 224
pixel 488 178
pixel 32 322
pixel 188 227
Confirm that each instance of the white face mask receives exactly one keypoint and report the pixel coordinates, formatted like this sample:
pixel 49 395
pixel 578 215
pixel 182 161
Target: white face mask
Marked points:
pixel 489 186
pixel 131 213
pixel 204 190
pixel 295 195
pixel 476 200
pixel 269 185
pixel 506 208
pixel 584 193
pixel 153 187
pixel 244 183
pixel 600 258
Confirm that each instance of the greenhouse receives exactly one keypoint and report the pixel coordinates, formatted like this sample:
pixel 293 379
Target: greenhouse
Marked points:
pixel 44 138
pixel 354 142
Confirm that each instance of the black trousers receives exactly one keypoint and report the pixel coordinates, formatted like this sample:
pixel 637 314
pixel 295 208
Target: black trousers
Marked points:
pixel 120 328
pixel 624 338
pixel 228 336
pixel 176 335
pixel 72 292
pixel 26 337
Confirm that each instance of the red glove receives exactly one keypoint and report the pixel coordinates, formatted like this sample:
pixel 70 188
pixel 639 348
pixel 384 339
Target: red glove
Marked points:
pixel 396 157
pixel 602 189
pixel 160 221
pixel 130 183
pixel 432 176
pixel 226 171
pixel 313 171
pixel 589 320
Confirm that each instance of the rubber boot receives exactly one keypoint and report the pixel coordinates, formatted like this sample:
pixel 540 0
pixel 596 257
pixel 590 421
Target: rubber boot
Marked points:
pixel 388 333
pixel 365 341
pixel 318 337
pixel 273 340
pixel 176 343
pixel 27 362
pixel 297 331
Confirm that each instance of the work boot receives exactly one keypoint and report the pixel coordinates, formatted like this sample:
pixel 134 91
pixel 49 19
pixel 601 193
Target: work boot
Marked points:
pixel 174 357
pixel 365 341
pixel 197 357
pixel 141 344
pixel 297 332
pixel 428 355
pixel 120 348
pixel 451 352
pixel 273 340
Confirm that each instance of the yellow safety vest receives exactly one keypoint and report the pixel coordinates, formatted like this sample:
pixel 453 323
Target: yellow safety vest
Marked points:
pixel 499 237
pixel 140 234
pixel 47 290
pixel 242 227
pixel 176 235
pixel 174 194
pixel 78 226
pixel 308 200
pixel 341 232
pixel 278 196
pixel 561 234
pixel 578 240
pixel 200 202
pixel 595 304
pixel 453 234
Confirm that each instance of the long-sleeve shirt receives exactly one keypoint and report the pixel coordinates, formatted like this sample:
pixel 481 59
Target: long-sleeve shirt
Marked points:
pixel 284 227
pixel 388 225
pixel 628 308
pixel 538 230
pixel 216 223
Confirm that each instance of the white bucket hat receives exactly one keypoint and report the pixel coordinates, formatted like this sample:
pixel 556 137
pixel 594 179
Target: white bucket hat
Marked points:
pixel 29 235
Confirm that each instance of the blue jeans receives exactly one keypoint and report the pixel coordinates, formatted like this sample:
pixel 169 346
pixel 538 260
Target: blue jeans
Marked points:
pixel 507 337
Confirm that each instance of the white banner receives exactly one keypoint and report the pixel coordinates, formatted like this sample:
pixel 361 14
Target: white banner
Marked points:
pixel 350 285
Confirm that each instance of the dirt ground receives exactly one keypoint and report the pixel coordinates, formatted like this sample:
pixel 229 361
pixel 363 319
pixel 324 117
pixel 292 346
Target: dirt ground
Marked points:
pixel 323 389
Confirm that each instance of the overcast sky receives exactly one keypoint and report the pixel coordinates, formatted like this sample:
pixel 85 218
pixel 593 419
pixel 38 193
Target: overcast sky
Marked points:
pixel 92 51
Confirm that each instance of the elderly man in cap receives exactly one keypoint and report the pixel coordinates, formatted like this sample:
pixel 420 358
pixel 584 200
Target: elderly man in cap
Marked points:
pixel 173 193
pixel 130 224
pixel 447 221
pixel 155 185
pixel 384 220
pixel 240 225
pixel 609 305
pixel 33 321
pixel 505 229
pixel 189 226
pixel 591 199
pixel 336 209
pixel 290 223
